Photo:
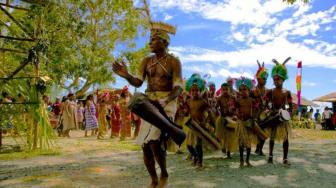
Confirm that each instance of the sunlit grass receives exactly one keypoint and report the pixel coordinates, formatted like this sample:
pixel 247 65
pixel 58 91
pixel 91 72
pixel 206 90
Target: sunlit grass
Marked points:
pixel 29 154
pixel 314 134
pixel 39 177
pixel 125 146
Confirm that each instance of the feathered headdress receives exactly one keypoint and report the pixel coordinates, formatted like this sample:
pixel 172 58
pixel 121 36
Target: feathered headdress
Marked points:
pixel 244 81
pixel 195 79
pixel 159 29
pixel 163 27
pixel 262 71
pixel 280 69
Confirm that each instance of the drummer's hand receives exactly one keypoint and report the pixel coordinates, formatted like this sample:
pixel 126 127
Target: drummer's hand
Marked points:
pixel 162 102
pixel 120 68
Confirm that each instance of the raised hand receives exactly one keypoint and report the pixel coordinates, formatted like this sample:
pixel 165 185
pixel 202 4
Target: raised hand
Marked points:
pixel 120 69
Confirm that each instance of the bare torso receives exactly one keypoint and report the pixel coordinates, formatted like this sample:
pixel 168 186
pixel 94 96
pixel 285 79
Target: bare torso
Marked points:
pixel 259 94
pixel 245 108
pixel 225 105
pixel 279 98
pixel 197 108
pixel 161 73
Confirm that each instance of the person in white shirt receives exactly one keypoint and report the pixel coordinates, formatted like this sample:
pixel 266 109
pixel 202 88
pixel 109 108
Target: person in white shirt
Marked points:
pixel 326 117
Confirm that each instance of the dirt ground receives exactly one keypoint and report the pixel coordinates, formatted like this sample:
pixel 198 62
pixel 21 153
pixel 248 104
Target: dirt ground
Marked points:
pixel 88 162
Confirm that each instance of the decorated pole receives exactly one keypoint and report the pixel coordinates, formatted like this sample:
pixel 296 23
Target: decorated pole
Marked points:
pixel 298 87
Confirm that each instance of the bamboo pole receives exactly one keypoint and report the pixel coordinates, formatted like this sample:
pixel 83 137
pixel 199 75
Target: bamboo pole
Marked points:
pixel 15 38
pixel 15 21
pixel 0 136
pixel 13 50
pixel 35 128
pixel 14 7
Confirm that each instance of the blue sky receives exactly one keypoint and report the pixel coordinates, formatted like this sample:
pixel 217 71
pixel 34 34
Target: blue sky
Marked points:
pixel 225 38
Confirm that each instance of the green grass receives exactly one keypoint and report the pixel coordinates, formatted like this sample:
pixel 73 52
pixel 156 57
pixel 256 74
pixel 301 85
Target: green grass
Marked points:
pixel 125 146
pixel 316 134
pixel 26 154
pixel 40 177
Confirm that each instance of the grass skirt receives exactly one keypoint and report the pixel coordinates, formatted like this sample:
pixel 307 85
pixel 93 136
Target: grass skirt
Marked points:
pixel 227 136
pixel 282 132
pixel 245 134
pixel 191 139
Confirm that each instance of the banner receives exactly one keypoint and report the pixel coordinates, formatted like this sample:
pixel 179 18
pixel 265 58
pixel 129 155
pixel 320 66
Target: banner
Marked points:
pixel 298 85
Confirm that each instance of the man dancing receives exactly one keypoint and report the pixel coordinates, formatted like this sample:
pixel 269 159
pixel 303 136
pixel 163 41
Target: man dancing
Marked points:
pixel 224 133
pixel 259 95
pixel 164 80
pixel 279 98
pixel 245 128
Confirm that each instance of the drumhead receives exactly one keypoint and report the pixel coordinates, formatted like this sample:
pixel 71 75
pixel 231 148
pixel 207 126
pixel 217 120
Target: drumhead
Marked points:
pixel 284 115
pixel 262 116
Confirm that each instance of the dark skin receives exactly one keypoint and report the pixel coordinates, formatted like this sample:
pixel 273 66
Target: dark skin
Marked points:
pixel 161 71
pixel 159 78
pixel 244 113
pixel 212 90
pixel 259 94
pixel 212 100
pixel 279 97
pixel 223 102
pixel 181 110
pixel 245 104
pixel 197 106
pixel 232 91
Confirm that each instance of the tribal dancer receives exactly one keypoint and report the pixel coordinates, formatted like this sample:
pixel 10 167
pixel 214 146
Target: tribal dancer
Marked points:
pixel 259 95
pixel 213 112
pixel 211 95
pixel 115 117
pixel 181 116
pixel 164 83
pixel 279 98
pixel 197 106
pixel 230 81
pixel 246 123
pixel 224 132
pixel 125 130
pixel 102 111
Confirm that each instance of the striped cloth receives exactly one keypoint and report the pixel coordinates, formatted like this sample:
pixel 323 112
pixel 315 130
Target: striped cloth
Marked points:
pixel 90 117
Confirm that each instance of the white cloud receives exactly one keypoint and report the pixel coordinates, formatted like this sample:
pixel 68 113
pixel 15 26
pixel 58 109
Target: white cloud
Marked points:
pixel 299 25
pixel 328 28
pixel 167 17
pixel 191 27
pixel 264 37
pixel 279 48
pixel 309 41
pixel 264 34
pixel 218 71
pixel 322 46
pixel 309 84
pixel 239 36
pixel 302 10
pixel 261 17
pixel 305 24
pixel 254 12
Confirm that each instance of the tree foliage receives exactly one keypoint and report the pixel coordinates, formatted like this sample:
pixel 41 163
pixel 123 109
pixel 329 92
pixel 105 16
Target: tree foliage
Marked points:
pixel 82 38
